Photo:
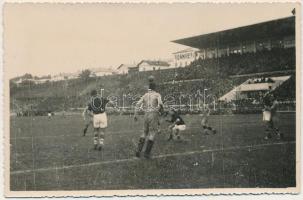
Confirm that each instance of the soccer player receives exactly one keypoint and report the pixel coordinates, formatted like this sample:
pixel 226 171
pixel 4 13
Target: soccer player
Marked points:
pixel 177 126
pixel 88 119
pixel 270 116
pixel 151 104
pixel 204 122
pixel 97 106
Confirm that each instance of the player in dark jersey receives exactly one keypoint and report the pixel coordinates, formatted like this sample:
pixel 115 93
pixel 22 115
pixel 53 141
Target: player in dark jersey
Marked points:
pixel 97 106
pixel 177 125
pixel 270 116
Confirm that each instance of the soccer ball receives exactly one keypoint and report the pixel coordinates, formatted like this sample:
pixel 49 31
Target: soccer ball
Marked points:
pixel 151 78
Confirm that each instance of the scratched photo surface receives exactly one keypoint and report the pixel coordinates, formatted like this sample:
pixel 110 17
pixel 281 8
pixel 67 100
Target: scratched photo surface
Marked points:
pixel 150 96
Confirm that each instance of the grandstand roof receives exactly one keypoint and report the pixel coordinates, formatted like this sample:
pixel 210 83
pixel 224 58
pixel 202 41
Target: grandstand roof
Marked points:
pixel 186 50
pixel 270 29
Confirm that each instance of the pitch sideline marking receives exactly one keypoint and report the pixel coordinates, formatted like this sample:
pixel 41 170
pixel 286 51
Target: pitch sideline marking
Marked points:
pixel 154 157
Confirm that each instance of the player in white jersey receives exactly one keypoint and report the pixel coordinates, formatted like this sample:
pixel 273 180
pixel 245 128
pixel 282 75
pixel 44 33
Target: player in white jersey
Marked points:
pixel 151 103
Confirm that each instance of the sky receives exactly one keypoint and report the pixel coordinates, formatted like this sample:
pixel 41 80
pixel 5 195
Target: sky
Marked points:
pixel 44 39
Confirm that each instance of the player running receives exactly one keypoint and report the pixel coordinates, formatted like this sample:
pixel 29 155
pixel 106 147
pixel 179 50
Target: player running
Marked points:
pixel 177 126
pixel 270 116
pixel 151 103
pixel 97 106
pixel 204 122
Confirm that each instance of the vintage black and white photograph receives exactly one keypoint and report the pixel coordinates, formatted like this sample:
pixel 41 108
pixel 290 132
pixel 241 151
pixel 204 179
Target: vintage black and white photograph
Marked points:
pixel 132 99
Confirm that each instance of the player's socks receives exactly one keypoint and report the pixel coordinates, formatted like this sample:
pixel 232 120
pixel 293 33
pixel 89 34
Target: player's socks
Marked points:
pixel 95 142
pixel 101 141
pixel 140 146
pixel 148 149
pixel 101 144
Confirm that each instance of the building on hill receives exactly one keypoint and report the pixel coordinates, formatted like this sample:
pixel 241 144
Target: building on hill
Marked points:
pixel 185 57
pixel 97 72
pixel 42 80
pixel 133 69
pixel 64 76
pixel 58 77
pixel 123 68
pixel 151 65
pixel 279 33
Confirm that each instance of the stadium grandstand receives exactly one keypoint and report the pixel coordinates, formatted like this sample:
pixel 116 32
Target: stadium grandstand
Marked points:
pixel 232 69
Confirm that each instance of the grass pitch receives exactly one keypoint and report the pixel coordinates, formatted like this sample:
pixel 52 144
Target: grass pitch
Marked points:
pixel 51 154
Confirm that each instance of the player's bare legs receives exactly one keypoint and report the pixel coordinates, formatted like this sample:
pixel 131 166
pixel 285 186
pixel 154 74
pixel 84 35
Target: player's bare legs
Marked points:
pixel 140 146
pixel 268 130
pixel 85 129
pixel 142 141
pixel 270 127
pixel 170 137
pixel 176 133
pixel 149 144
pixel 208 128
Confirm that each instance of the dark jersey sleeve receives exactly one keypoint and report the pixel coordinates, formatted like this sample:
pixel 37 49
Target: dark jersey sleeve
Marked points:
pixel 177 120
pixel 104 102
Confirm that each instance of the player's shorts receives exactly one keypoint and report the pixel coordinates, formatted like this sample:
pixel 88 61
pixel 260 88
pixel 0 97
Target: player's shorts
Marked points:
pixel 100 120
pixel 180 127
pixel 267 116
pixel 151 122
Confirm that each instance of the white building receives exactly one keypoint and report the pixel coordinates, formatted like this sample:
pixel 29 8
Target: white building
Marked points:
pixel 96 72
pixel 185 57
pixel 150 65
pixel 60 77
pixel 43 80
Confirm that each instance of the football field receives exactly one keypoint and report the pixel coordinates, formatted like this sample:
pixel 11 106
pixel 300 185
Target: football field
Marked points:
pixel 52 154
